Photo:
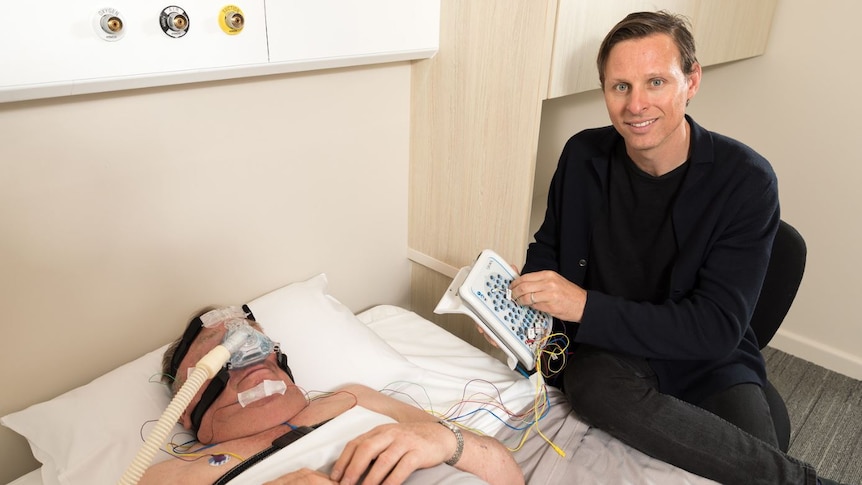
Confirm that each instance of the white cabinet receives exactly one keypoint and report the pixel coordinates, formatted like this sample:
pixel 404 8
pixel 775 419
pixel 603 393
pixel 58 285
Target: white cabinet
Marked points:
pixel 54 48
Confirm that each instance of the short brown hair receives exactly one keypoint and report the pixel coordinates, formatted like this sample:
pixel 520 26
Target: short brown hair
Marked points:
pixel 643 24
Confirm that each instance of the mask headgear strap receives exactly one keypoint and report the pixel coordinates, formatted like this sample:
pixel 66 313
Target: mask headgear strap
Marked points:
pixel 209 396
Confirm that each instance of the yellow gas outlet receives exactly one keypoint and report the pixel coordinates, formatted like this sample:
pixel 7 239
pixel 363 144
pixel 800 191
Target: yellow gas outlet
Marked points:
pixel 231 20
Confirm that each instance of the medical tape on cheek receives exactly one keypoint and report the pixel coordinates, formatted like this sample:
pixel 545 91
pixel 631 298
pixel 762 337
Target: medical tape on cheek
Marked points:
pixel 264 389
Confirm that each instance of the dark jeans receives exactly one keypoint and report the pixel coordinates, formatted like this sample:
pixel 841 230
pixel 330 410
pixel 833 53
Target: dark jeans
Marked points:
pixel 619 394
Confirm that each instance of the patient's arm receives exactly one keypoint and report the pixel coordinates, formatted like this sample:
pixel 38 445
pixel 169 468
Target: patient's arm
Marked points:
pixel 418 441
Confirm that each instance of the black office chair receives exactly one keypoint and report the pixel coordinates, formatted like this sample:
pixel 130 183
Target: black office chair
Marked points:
pixel 783 276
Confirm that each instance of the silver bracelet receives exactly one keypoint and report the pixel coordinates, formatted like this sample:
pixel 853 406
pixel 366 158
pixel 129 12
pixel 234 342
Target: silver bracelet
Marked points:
pixel 458 437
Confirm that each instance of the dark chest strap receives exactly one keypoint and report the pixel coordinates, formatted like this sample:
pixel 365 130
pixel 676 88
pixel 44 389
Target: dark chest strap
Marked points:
pixel 277 444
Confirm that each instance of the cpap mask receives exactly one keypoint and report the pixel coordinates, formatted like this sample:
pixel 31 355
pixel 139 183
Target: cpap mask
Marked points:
pixel 242 346
pixel 251 347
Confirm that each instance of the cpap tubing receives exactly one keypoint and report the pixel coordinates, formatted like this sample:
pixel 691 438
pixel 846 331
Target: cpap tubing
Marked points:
pixel 205 369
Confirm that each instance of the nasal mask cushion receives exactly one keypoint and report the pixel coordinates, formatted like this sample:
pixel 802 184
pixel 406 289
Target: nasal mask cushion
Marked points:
pixel 254 346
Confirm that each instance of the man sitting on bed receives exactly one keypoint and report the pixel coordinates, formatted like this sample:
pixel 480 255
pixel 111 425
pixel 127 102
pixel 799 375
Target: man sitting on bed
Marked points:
pixel 653 250
pixel 393 452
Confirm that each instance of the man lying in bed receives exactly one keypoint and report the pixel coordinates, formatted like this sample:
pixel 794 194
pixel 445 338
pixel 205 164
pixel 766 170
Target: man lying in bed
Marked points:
pixel 416 440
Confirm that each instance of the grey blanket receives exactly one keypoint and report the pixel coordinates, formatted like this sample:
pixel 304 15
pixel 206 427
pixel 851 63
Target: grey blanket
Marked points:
pixel 591 455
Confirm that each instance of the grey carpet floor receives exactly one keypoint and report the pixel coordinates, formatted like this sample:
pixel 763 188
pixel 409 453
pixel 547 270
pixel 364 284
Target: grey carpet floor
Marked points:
pixel 825 415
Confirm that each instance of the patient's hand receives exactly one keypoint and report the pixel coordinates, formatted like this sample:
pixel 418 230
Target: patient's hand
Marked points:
pixel 302 477
pixel 394 451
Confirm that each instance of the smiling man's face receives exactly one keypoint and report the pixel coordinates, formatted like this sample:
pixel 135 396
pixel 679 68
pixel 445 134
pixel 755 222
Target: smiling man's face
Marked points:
pixel 646 93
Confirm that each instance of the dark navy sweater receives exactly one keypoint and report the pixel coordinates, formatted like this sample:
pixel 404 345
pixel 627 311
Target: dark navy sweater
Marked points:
pixel 725 216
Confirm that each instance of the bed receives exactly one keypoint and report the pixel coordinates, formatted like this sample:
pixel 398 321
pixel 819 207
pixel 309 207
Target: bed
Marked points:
pixel 90 434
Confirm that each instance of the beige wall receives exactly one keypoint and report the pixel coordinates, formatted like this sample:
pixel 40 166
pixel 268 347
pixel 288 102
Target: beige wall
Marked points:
pixel 797 106
pixel 121 214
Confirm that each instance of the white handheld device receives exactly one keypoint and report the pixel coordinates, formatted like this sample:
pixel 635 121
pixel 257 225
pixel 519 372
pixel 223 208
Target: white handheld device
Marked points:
pixel 482 293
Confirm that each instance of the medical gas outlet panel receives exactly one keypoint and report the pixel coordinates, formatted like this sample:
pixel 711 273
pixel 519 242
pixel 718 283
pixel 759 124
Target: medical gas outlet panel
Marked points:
pixel 62 47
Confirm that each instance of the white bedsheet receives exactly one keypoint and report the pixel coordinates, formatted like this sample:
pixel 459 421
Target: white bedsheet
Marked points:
pixel 592 456
pixel 448 367
pixel 319 450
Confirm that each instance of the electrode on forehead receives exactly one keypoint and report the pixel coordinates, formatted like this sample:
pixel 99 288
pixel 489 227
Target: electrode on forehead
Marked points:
pixel 264 389
pixel 214 317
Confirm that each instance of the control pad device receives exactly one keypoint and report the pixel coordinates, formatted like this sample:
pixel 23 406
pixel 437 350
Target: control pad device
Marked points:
pixel 485 291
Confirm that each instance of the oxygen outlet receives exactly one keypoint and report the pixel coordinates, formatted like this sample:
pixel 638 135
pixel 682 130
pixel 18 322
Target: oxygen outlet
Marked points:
pixel 231 20
pixel 174 21
pixel 112 25
pixel 109 25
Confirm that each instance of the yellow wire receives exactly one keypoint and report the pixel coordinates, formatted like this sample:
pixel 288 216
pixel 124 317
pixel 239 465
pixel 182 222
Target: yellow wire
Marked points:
pixel 541 391
pixel 554 352
pixel 170 451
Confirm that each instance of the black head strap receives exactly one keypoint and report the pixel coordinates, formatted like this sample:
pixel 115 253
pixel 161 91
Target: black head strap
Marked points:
pixel 216 386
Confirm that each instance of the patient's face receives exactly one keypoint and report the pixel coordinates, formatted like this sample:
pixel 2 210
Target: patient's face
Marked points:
pixel 226 419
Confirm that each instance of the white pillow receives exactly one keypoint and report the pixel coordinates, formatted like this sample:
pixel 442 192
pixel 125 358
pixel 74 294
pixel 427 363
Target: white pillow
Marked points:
pixel 91 434
pixel 326 345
